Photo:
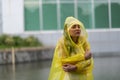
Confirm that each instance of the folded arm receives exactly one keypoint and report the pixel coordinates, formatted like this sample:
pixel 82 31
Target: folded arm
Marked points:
pixel 73 59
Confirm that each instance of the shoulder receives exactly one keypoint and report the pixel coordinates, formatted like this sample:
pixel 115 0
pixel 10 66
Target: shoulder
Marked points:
pixel 82 38
pixel 60 41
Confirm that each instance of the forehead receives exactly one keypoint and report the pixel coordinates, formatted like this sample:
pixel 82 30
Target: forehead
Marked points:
pixel 75 25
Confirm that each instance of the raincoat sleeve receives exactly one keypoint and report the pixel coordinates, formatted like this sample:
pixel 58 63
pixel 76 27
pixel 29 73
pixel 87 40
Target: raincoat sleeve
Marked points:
pixel 83 64
pixel 73 59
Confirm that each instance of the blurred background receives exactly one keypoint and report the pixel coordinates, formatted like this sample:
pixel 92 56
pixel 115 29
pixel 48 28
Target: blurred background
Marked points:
pixel 44 19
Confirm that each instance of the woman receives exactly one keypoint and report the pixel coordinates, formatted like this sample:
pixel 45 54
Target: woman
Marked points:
pixel 72 58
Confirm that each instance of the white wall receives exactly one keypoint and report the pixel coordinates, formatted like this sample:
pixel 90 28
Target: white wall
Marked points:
pixel 105 41
pixel 102 41
pixel 12 15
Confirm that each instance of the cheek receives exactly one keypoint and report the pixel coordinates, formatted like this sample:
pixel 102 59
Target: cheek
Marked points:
pixel 72 32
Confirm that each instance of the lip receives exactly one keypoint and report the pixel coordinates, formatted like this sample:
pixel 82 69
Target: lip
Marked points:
pixel 78 32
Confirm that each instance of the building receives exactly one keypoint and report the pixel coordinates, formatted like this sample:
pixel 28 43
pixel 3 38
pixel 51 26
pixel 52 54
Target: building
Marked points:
pixel 45 18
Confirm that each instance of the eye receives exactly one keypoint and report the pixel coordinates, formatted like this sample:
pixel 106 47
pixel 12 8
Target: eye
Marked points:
pixel 74 26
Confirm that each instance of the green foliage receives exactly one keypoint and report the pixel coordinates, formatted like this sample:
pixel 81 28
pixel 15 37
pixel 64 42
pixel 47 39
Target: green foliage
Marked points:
pixel 3 38
pixel 7 41
pixel 18 41
pixel 32 41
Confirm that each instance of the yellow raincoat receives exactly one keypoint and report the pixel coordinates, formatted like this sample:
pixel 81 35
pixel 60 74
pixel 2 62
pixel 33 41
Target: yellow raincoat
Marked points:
pixel 67 51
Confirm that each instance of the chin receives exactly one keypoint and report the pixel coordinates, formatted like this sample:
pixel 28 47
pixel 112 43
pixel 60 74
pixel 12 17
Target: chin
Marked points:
pixel 77 35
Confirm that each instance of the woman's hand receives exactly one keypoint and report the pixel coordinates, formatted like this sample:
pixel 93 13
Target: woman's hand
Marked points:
pixel 88 55
pixel 69 67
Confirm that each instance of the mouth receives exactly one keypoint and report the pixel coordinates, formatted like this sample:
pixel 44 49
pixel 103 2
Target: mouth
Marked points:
pixel 78 32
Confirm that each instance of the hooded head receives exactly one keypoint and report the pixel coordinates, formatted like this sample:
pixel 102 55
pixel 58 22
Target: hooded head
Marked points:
pixel 70 45
pixel 69 22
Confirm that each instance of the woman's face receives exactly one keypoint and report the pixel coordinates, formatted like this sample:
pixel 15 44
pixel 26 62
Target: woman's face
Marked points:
pixel 75 31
